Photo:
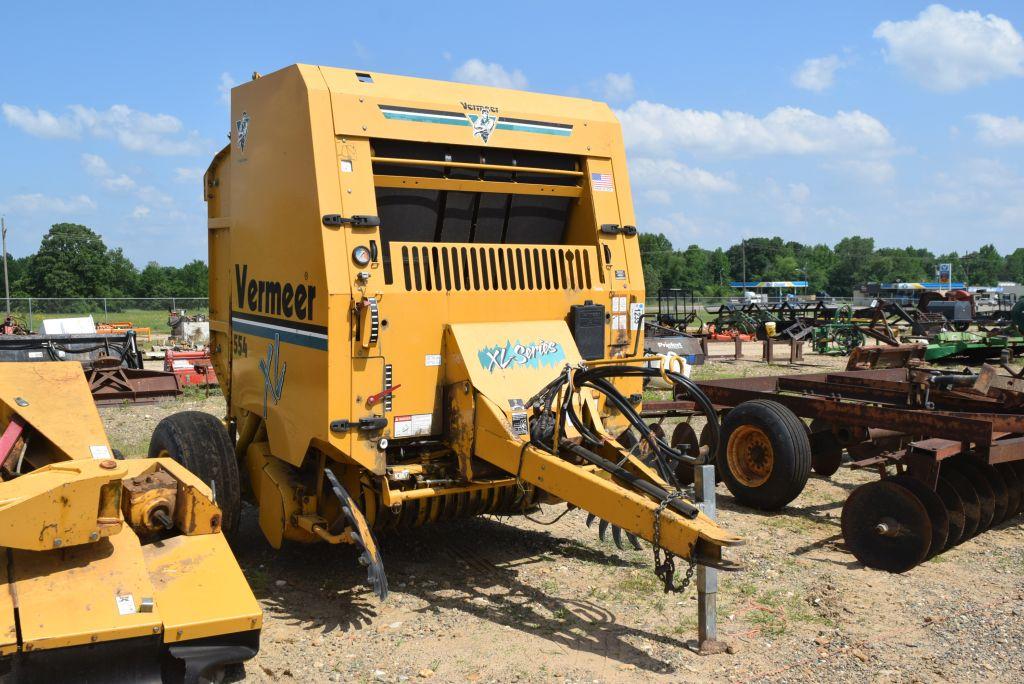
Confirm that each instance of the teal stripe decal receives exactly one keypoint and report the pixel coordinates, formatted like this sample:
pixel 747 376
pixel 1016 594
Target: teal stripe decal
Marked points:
pixel 288 335
pixel 456 121
pixel 527 128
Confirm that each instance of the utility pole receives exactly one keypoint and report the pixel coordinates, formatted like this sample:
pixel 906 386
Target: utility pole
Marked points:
pixel 743 251
pixel 7 289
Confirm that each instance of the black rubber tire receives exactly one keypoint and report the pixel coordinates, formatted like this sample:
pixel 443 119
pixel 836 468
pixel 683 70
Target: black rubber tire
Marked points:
pixel 791 454
pixel 200 442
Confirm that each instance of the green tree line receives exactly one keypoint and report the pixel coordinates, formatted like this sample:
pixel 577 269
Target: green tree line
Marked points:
pixel 73 261
pixel 836 270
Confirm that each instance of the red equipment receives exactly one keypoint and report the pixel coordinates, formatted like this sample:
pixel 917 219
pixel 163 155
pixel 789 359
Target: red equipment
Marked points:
pixel 191 367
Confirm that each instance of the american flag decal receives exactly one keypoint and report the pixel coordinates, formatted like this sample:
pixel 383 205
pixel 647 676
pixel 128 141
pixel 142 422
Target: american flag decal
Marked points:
pixel 602 182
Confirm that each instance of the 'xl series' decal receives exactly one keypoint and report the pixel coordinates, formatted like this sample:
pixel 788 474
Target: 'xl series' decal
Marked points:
pixel 511 354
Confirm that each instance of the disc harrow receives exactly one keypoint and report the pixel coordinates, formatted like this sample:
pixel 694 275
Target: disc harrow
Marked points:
pixel 948 447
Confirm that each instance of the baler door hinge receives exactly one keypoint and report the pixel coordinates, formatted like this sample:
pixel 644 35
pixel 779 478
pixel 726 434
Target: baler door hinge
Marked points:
pixel 358 221
pixel 364 424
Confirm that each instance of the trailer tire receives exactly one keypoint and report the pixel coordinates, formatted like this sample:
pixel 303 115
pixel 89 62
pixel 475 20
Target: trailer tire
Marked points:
pixel 765 454
pixel 200 442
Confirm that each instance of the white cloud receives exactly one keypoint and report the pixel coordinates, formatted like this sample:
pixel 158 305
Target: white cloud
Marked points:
pixel 361 52
pixel 121 182
pixel 947 51
pixel 491 74
pixel 37 202
pixel 161 134
pixel 669 173
pixel 999 131
pixel 186 175
pixel 658 196
pixel 799 192
pixel 618 87
pixel 785 130
pixel 140 212
pixel 817 73
pixel 39 123
pixel 876 171
pixel 96 165
pixel 151 195
pixel 227 82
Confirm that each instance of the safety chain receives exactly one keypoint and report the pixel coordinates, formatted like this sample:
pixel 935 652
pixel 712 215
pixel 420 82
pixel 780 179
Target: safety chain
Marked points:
pixel 665 569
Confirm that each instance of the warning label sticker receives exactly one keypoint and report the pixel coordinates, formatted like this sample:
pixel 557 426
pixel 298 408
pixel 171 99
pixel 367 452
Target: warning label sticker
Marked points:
pixel 125 604
pixel 416 425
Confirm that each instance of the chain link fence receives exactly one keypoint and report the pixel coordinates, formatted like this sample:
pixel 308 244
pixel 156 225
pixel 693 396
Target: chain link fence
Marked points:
pixel 141 312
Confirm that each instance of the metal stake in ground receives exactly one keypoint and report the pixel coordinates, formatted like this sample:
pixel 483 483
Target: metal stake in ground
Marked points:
pixel 707 578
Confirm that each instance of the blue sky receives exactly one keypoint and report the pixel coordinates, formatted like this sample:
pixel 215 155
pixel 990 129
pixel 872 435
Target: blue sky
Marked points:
pixel 814 121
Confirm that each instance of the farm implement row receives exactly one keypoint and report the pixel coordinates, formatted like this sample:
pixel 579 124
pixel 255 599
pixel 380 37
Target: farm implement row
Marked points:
pixel 948 447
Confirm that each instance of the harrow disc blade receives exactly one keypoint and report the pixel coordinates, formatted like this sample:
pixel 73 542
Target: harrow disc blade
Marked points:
pixel 968 497
pixel 954 510
pixel 933 504
pixel 986 496
pixel 826 451
pixel 590 519
pixel 886 527
pixel 644 451
pixel 684 438
pixel 705 440
pixel 1018 468
pixel 999 489
pixel 1014 489
pixel 634 542
pixel 602 529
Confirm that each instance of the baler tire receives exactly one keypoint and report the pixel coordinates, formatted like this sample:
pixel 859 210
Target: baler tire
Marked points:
pixel 761 426
pixel 200 442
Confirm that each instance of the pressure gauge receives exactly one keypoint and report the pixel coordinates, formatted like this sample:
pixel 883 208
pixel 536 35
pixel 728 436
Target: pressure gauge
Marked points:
pixel 361 255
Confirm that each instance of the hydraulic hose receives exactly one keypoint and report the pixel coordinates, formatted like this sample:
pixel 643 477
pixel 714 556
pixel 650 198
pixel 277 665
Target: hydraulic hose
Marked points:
pixel 663 455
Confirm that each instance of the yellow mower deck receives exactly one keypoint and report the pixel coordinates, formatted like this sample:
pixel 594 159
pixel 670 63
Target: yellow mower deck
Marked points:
pixel 87 583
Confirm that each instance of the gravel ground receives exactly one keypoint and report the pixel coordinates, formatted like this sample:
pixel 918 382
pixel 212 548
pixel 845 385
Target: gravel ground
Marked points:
pixel 510 600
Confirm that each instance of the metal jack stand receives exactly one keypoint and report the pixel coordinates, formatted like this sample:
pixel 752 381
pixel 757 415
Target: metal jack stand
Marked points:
pixel 707 578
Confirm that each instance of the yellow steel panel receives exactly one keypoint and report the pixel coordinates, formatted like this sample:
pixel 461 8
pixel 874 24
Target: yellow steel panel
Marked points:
pixel 357 111
pixel 8 628
pixel 509 361
pixel 68 597
pixel 199 588
pixel 467 185
pixel 628 509
pixel 73 424
pixel 61 505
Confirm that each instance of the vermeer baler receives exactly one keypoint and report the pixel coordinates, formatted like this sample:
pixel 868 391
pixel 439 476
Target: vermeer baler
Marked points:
pixel 426 303
pixel 112 570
